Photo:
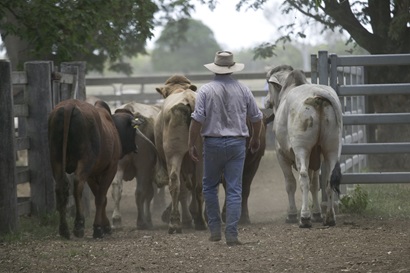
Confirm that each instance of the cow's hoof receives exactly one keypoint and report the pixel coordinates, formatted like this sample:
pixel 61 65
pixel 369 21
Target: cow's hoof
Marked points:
pixel 171 230
pixel 79 228
pixel 317 217
pixel 200 226
pixel 107 229
pixel 98 232
pixel 64 232
pixel 187 224
pixel 144 226
pixel 79 233
pixel 292 219
pixel 116 222
pixel 245 221
pixel 305 223
pixel 166 215
pixel 329 222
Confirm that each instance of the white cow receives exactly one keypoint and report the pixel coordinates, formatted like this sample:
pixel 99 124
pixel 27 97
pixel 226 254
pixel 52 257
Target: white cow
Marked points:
pixel 308 136
pixel 140 165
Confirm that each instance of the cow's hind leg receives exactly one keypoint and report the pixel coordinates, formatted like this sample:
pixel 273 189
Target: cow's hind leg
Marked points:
pixel 101 223
pixel 196 208
pixel 314 190
pixel 247 179
pixel 305 214
pixel 158 203
pixel 62 192
pixel 116 193
pixel 174 189
pixel 144 193
pixel 330 217
pixel 290 188
pixel 184 198
pixel 79 222
pixel 302 163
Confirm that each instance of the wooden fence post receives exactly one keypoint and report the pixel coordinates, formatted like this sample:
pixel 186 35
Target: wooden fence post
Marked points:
pixel 76 92
pixel 8 187
pixel 39 103
pixel 77 68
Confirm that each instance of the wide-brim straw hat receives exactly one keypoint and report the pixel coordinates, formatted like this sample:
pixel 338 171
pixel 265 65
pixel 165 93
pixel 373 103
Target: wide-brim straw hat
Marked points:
pixel 224 63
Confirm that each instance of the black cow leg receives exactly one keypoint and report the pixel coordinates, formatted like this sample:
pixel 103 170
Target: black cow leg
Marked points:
pixel 107 229
pixel 292 219
pixel 79 227
pixel 305 222
pixel 98 232
pixel 317 217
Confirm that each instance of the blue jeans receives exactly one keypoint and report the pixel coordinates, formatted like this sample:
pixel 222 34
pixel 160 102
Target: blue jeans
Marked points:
pixel 223 156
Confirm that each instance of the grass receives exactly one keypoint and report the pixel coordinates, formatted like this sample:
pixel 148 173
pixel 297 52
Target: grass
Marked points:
pixel 41 227
pixel 378 200
pixel 388 200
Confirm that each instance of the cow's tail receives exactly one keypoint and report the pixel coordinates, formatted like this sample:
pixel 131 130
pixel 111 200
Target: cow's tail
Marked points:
pixel 67 119
pixel 336 178
pixel 144 137
pixel 183 112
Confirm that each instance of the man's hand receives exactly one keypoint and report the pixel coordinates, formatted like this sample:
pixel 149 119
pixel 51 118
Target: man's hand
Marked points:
pixel 193 153
pixel 254 144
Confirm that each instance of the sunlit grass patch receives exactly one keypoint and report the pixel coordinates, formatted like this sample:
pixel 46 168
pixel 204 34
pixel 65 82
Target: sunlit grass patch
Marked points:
pixel 388 200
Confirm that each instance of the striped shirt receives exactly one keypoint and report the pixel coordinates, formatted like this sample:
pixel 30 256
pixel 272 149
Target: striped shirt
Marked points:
pixel 222 107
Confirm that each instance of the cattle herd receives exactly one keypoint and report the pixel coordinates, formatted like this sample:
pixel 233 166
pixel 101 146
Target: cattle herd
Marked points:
pixel 150 143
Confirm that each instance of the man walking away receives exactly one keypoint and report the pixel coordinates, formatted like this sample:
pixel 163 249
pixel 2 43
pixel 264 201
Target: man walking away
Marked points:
pixel 221 109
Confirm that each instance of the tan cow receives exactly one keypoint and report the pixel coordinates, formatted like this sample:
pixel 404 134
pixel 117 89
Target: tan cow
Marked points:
pixel 171 140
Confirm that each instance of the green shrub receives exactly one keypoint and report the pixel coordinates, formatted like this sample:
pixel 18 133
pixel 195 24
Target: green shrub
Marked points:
pixel 355 202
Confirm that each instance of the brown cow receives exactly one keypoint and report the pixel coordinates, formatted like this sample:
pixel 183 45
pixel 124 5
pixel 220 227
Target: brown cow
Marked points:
pixel 88 141
pixel 171 139
pixel 252 161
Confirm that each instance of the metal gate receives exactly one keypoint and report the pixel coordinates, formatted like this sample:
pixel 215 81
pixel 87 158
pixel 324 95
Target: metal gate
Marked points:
pixel 346 75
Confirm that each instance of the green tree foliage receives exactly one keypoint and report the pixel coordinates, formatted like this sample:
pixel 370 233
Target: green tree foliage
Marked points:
pixel 380 27
pixel 98 32
pixel 186 53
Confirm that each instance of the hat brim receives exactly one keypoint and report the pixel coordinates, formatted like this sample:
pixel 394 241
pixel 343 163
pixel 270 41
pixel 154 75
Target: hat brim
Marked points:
pixel 224 69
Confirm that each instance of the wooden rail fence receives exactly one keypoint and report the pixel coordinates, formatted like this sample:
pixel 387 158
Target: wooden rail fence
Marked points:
pixel 28 96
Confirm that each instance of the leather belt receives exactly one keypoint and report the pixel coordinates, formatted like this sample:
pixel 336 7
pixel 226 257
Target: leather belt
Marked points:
pixel 224 136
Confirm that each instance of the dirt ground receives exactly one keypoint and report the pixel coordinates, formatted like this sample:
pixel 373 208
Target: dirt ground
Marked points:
pixel 355 244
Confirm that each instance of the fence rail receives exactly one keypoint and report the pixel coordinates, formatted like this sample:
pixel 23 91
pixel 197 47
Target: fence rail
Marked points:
pixel 117 86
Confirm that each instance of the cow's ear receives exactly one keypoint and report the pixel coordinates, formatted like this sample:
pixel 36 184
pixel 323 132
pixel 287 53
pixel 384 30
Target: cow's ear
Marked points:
pixel 136 122
pixel 161 90
pixel 277 86
pixel 122 110
pixel 193 87
pixel 269 119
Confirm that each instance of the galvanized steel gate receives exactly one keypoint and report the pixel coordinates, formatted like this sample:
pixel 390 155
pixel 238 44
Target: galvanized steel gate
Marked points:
pixel 346 75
